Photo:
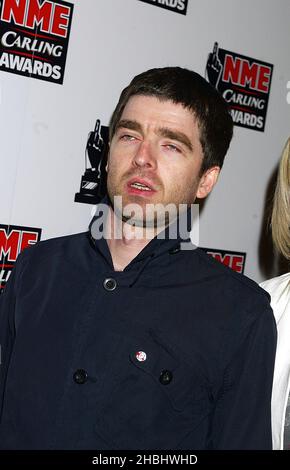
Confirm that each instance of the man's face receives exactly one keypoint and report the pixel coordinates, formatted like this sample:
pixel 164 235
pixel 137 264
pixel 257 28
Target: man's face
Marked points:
pixel 155 155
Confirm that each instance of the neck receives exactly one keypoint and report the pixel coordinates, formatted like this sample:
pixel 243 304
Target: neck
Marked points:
pixel 126 241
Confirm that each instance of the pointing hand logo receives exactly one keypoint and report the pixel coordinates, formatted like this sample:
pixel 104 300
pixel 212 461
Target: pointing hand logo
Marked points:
pixel 214 67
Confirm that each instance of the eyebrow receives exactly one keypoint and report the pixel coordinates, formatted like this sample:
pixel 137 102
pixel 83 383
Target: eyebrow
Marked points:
pixel 129 124
pixel 176 135
pixel 162 131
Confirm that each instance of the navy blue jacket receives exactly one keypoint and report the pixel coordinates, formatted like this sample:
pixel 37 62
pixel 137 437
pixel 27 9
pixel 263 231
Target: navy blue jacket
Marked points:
pixel 174 352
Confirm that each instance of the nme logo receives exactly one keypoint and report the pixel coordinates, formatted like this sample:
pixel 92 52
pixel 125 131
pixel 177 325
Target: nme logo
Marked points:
pixel 232 259
pixel 34 37
pixel 13 240
pixel 244 83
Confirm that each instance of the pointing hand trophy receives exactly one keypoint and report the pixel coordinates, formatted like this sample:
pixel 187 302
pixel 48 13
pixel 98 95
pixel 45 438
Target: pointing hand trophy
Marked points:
pixel 93 182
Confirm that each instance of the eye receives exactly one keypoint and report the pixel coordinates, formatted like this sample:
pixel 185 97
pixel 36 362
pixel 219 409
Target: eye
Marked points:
pixel 172 148
pixel 127 137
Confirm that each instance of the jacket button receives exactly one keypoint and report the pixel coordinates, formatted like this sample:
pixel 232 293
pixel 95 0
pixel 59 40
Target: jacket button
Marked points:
pixel 80 376
pixel 174 250
pixel 165 377
pixel 110 284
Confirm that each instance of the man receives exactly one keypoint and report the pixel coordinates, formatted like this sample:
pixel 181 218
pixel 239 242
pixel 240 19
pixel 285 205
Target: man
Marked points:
pixel 129 341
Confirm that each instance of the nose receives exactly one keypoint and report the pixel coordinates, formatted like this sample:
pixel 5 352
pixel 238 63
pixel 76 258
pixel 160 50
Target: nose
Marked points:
pixel 145 156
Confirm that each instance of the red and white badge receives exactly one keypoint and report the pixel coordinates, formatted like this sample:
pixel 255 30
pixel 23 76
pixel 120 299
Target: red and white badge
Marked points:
pixel 141 356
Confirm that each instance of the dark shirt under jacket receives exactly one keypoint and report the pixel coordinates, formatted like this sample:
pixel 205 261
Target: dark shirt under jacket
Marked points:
pixel 71 377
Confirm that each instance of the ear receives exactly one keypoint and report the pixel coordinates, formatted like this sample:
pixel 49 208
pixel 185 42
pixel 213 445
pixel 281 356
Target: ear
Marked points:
pixel 207 182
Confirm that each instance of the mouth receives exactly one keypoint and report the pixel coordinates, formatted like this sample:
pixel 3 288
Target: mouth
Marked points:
pixel 140 186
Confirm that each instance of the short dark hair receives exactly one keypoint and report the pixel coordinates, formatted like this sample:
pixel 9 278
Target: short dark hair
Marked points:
pixel 183 86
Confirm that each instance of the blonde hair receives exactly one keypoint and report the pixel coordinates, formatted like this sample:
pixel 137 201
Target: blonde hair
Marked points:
pixel 281 208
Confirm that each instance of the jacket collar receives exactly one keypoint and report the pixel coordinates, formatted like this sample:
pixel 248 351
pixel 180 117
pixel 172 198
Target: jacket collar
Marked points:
pixel 168 240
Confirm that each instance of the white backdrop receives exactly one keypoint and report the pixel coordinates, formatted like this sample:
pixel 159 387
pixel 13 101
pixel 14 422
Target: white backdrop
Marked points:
pixel 44 125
